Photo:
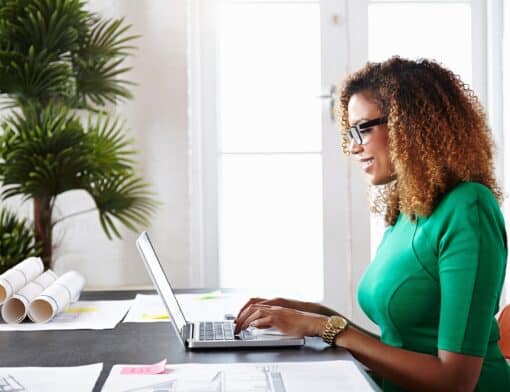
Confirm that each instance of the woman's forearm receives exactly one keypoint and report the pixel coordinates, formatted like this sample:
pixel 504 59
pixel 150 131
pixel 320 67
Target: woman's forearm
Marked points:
pixel 313 307
pixel 411 370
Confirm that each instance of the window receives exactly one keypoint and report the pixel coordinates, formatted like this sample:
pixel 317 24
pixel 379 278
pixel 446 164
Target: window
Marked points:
pixel 262 145
pixel 272 188
pixel 441 30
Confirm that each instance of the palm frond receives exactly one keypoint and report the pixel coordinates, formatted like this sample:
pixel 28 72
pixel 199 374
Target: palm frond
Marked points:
pixel 17 240
pixel 98 64
pixel 42 152
pixel 123 197
pixel 111 148
pixel 36 78
pixel 51 25
pixel 108 39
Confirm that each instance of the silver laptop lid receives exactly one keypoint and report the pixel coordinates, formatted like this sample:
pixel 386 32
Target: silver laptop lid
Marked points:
pixel 161 282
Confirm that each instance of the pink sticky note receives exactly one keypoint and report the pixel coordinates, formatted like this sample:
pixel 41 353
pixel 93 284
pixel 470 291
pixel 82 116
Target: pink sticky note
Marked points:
pixel 156 368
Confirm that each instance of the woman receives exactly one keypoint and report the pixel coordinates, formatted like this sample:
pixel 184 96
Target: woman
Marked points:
pixel 434 285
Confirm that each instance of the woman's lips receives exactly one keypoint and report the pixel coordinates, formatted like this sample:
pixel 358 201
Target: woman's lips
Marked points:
pixel 366 163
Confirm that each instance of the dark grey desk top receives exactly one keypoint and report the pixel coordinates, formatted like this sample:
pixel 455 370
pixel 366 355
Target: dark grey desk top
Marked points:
pixel 137 343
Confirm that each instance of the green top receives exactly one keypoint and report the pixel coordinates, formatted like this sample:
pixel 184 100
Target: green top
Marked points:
pixel 435 283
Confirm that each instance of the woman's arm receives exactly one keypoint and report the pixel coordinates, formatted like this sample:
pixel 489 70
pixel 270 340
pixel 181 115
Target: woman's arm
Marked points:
pixel 309 307
pixel 412 370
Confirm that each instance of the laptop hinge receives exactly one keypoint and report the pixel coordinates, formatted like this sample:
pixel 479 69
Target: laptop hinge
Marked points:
pixel 187 332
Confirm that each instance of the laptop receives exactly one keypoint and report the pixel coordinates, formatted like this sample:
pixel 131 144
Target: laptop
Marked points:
pixel 203 334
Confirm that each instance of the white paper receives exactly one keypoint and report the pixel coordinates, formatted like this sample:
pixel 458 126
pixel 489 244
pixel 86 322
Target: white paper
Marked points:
pixel 324 376
pixel 56 297
pixel 80 315
pixel 196 307
pixel 147 309
pixel 210 306
pixel 51 379
pixel 15 308
pixel 18 276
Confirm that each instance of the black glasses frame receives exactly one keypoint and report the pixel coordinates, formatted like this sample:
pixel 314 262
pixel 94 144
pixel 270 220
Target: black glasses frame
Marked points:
pixel 355 133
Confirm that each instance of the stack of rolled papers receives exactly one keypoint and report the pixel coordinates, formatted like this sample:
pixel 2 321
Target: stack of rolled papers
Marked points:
pixel 26 290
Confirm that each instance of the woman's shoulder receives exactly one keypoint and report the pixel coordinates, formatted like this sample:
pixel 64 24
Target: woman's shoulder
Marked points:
pixel 467 205
pixel 468 193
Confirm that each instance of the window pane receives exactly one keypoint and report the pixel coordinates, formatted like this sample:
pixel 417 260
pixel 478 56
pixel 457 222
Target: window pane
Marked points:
pixel 438 31
pixel 269 75
pixel 271 223
pixel 441 31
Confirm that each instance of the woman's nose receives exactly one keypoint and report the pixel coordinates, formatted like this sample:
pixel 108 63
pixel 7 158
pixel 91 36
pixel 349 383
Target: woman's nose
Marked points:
pixel 355 148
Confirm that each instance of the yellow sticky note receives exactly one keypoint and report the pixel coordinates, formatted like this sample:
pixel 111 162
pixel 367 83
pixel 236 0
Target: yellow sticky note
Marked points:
pixel 146 316
pixel 81 310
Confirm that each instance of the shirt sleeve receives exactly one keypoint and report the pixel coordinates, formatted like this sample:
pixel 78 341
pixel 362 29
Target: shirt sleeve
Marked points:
pixel 472 260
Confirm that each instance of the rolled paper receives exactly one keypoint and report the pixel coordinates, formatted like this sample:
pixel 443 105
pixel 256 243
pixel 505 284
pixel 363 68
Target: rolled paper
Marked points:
pixel 18 276
pixel 15 308
pixel 56 297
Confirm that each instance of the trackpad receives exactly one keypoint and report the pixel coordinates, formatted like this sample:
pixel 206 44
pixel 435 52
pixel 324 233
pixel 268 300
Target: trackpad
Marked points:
pixel 252 333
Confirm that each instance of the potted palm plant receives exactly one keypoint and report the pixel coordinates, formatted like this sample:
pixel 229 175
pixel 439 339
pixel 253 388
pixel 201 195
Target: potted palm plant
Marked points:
pixel 60 65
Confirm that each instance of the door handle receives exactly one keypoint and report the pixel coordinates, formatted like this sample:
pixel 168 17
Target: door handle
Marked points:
pixel 332 96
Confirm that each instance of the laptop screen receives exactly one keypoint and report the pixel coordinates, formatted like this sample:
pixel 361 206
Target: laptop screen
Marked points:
pixel 160 280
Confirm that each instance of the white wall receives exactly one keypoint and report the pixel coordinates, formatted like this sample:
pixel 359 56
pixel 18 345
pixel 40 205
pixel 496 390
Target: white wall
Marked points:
pixel 157 117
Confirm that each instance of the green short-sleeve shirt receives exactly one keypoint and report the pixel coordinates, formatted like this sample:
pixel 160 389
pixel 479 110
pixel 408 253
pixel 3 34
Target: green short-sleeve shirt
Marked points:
pixel 435 283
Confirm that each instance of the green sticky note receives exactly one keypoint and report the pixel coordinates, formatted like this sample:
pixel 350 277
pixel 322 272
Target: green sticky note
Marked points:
pixel 212 295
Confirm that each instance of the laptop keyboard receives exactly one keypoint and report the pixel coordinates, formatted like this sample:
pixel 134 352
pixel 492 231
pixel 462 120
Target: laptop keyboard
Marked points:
pixel 216 330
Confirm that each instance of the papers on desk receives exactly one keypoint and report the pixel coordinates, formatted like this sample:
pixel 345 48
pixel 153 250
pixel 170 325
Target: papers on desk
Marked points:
pixel 54 379
pixel 147 309
pixel 196 307
pixel 321 376
pixel 210 306
pixel 80 315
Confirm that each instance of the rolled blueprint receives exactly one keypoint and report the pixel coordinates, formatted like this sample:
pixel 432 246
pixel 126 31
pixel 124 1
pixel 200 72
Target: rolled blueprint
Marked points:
pixel 18 277
pixel 55 298
pixel 15 308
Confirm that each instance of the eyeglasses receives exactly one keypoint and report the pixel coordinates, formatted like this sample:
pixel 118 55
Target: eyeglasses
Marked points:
pixel 357 132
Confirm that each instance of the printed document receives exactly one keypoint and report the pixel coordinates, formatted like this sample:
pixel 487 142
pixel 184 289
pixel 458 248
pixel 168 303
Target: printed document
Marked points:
pixel 80 315
pixel 49 379
pixel 324 376
pixel 212 306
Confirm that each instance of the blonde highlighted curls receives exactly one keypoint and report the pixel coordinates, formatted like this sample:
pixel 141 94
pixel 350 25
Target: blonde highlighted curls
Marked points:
pixel 438 133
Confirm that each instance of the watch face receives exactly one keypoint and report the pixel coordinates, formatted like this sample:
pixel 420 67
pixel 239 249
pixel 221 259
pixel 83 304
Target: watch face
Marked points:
pixel 338 322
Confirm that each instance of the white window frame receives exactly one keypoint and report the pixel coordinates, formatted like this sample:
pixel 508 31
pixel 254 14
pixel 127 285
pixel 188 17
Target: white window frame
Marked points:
pixel 346 219
pixel 338 248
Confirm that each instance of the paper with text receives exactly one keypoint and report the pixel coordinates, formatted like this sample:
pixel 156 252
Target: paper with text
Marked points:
pixel 324 376
pixel 196 307
pixel 49 379
pixel 147 309
pixel 80 315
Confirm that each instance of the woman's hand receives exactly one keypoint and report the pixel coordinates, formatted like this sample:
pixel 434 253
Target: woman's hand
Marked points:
pixel 286 303
pixel 289 321
pixel 247 308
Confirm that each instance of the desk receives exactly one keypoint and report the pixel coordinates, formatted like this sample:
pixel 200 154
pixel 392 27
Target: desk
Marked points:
pixel 138 343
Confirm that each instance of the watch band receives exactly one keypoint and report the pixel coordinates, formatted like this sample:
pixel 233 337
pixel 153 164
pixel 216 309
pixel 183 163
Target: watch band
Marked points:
pixel 334 326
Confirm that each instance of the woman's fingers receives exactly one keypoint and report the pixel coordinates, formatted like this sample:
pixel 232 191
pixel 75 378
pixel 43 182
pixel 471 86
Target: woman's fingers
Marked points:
pixel 263 322
pixel 243 316
pixel 257 314
pixel 251 301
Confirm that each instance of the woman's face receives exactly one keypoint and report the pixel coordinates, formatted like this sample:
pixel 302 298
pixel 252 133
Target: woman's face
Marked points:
pixel 374 154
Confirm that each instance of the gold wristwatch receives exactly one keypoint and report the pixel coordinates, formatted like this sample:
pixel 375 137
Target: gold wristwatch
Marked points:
pixel 334 326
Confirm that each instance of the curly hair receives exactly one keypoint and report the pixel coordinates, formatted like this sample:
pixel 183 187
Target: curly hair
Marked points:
pixel 437 129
